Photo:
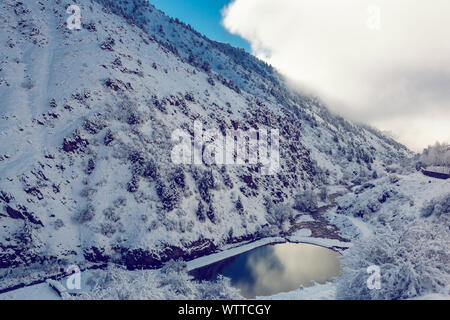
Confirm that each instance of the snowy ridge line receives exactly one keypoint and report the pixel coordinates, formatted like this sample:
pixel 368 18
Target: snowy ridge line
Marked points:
pixel 228 253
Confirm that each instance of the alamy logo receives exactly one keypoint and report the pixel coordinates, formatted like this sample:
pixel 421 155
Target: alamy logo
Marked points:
pixel 74 20
pixel 374 17
pixel 374 281
pixel 74 280
pixel 236 147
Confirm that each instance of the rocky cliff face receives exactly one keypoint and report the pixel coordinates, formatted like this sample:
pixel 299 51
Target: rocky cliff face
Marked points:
pixel 86 139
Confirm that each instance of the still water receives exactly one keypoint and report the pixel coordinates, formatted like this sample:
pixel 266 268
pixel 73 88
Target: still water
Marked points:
pixel 275 268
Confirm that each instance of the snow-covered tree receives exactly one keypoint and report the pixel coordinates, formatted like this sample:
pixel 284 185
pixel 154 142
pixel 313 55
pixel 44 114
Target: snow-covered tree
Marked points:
pixel 412 257
pixel 436 155
pixel 305 202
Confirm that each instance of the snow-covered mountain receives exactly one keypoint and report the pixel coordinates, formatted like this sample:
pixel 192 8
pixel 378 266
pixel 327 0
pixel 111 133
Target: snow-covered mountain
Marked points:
pixel 87 116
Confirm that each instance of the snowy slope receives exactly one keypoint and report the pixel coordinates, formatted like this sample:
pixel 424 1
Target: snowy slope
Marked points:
pixel 86 119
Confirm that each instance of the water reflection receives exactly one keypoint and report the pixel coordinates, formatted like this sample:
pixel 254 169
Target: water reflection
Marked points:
pixel 275 268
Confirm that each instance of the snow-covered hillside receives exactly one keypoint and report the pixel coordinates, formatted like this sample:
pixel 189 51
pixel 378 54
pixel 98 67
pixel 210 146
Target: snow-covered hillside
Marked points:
pixel 86 119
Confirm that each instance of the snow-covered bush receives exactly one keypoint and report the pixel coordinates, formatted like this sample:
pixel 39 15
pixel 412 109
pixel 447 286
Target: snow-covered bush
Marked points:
pixel 133 184
pixel 178 176
pixel 205 182
pixel 368 199
pixel 109 137
pixel 108 229
pixel 305 202
pixel 170 188
pixel 280 215
pixel 413 259
pixel 211 213
pixel 436 207
pixel 201 211
pixel 206 210
pixel 170 282
pixel 168 193
pixel 220 289
pixel 86 214
pixel 323 193
pixel 239 206
pixel 142 166
pixel 28 84
pixel 318 173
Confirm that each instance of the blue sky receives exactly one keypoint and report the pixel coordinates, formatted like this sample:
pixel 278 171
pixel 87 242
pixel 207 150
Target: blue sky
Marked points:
pixel 204 16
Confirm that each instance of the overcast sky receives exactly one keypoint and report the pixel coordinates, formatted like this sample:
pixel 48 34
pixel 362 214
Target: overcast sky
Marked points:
pixel 383 62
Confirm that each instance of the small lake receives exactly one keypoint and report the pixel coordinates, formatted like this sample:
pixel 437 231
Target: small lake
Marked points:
pixel 272 269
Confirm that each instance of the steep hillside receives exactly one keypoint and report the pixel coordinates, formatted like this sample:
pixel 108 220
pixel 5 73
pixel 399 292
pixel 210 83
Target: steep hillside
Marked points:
pixel 87 118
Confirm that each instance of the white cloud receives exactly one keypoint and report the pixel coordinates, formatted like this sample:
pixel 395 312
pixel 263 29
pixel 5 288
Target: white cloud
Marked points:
pixel 391 70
